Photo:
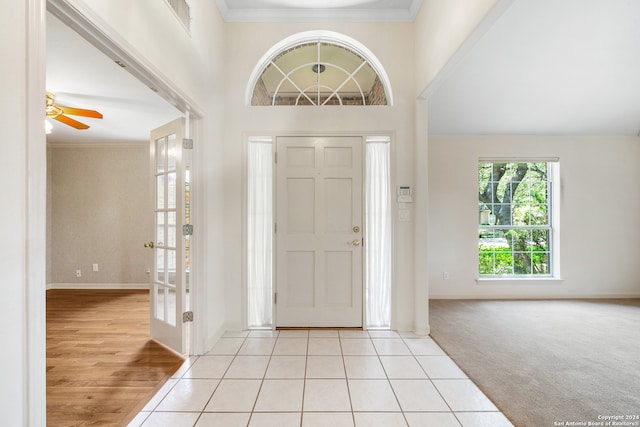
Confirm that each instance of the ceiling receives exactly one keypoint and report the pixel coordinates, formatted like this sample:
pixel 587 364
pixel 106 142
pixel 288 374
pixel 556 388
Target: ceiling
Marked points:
pixel 83 77
pixel 569 67
pixel 319 10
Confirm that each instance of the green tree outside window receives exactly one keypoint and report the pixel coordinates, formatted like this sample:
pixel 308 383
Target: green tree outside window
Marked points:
pixel 514 219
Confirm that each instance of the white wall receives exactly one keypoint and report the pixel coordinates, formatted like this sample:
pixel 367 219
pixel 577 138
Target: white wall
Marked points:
pixel 209 193
pixel 421 219
pixel 599 215
pixel 13 215
pixel 442 26
pixel 151 29
pixel 22 215
pixel 246 44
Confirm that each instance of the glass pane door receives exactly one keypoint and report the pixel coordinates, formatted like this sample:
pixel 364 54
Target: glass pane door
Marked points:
pixel 168 277
pixel 164 289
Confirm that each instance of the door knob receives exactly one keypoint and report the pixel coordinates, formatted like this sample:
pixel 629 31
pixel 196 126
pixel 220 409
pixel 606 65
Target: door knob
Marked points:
pixel 149 245
pixel 355 242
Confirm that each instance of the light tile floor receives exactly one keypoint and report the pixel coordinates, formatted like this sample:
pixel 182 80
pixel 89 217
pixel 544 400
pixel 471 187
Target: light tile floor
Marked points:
pixel 320 378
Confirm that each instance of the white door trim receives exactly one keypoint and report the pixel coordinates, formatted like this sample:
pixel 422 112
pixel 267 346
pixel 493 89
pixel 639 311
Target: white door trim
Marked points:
pixel 35 179
pixel 246 136
pixel 316 243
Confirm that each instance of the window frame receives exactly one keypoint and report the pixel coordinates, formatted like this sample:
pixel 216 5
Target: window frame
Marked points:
pixel 552 206
pixel 321 36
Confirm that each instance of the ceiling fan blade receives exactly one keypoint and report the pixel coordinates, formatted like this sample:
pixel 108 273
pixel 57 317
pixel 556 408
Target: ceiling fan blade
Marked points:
pixel 71 122
pixel 81 112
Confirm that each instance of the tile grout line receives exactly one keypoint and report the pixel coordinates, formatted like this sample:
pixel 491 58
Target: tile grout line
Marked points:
pixel 153 410
pixel 431 381
pixel 244 340
pixel 304 380
pixel 371 341
pixel 170 388
pixel 262 381
pixel 389 381
pixel 201 412
pixel 346 379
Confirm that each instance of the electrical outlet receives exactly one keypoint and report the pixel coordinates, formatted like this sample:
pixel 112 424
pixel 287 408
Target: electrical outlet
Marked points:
pixel 95 267
pixel 445 275
pixel 78 273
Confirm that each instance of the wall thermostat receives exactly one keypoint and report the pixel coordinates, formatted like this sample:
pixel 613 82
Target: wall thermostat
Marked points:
pixel 405 194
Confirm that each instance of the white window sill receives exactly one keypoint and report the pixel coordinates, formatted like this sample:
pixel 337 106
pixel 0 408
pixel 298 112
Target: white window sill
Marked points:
pixel 519 281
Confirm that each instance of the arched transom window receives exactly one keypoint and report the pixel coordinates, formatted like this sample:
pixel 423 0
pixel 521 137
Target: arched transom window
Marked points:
pixel 318 69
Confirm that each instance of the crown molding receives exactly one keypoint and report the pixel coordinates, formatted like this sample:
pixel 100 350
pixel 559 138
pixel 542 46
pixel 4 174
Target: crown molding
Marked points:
pixel 99 144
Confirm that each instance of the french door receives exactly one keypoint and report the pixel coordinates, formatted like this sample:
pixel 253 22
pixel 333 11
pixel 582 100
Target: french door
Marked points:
pixel 169 276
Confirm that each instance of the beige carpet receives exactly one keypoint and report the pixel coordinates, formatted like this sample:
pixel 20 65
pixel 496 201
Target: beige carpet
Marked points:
pixel 547 362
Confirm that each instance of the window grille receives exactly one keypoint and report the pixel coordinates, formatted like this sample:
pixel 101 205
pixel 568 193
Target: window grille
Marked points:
pixel 318 68
pixel 515 218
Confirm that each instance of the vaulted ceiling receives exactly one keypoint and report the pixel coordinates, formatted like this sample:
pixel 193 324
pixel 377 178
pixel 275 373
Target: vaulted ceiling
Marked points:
pixel 547 67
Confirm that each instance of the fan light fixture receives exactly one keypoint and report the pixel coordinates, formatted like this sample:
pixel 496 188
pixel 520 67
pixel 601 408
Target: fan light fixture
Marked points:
pixel 58 112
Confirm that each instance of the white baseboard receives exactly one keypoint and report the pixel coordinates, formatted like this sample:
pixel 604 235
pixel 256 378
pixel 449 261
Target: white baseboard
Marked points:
pixel 97 286
pixel 534 297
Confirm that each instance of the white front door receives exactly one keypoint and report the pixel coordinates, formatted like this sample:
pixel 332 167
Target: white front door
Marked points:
pixel 169 172
pixel 319 232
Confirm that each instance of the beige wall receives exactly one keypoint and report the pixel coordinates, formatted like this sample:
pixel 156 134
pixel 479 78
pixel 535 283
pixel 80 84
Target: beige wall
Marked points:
pixel 99 204
pixel 599 215
pixel 395 52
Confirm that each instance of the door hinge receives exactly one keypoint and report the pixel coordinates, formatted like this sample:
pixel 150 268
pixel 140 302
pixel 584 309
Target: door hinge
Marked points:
pixel 275 227
pixel 275 157
pixel 275 297
pixel 187 230
pixel 187 316
pixel 187 143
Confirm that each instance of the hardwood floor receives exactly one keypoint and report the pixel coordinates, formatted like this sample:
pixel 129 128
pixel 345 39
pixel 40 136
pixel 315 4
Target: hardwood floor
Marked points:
pixel 101 364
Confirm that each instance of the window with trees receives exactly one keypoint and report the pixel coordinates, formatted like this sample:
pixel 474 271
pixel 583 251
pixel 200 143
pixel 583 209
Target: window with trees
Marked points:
pixel 515 218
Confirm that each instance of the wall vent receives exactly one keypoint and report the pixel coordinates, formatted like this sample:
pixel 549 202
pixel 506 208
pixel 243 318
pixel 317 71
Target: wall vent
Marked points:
pixel 182 10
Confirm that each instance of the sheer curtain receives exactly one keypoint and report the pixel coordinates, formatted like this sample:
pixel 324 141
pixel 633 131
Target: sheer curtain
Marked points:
pixel 260 232
pixel 378 233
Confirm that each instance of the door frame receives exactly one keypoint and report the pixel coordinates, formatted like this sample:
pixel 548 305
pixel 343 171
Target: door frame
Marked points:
pixel 246 136
pixel 91 28
pixel 360 222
